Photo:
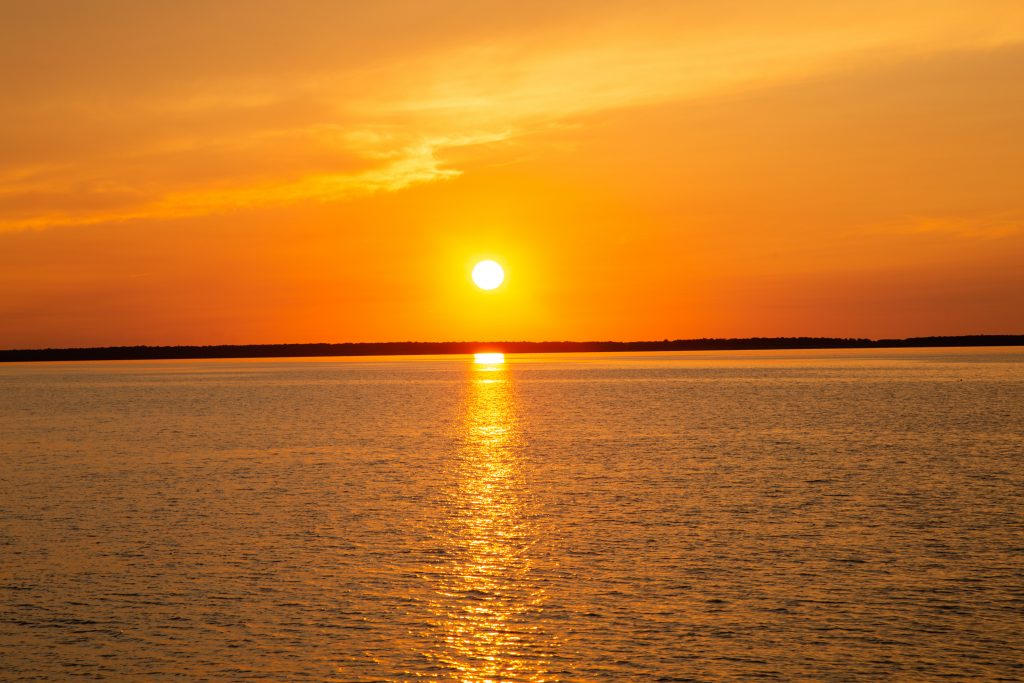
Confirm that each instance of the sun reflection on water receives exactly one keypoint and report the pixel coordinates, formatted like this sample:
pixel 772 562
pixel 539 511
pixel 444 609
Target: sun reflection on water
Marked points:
pixel 489 359
pixel 488 606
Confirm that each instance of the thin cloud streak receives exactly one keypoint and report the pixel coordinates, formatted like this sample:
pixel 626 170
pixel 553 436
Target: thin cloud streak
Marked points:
pixel 391 125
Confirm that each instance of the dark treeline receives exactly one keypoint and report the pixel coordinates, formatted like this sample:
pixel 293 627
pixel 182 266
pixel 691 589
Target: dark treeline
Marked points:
pixel 432 348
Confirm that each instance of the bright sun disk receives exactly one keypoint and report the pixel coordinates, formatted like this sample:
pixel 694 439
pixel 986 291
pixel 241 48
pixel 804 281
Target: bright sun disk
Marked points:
pixel 488 274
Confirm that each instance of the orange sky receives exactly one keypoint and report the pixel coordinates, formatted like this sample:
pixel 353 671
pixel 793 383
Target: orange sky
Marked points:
pixel 257 171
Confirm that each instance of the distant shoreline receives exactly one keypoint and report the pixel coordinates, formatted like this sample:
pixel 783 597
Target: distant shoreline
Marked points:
pixel 446 348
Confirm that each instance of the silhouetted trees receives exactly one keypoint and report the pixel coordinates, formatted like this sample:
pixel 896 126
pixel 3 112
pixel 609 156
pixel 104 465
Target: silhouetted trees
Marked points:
pixel 437 348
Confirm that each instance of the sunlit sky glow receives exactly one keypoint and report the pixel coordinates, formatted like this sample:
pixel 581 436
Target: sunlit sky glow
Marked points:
pixel 246 172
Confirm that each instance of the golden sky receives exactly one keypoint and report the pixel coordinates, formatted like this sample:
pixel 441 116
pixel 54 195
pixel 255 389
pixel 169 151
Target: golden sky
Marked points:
pixel 258 171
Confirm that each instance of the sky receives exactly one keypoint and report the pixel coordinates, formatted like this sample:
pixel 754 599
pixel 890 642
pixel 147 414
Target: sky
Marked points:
pixel 257 171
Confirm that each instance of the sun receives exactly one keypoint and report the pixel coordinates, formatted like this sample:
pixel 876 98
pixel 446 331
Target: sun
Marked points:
pixel 488 274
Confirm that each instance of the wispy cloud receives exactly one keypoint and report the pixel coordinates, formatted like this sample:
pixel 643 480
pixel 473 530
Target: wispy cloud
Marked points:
pixel 983 226
pixel 223 137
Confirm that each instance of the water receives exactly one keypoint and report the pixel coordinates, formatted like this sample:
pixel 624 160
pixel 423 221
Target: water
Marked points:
pixel 835 515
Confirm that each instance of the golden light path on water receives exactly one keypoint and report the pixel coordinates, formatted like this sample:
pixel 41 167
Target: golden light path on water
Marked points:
pixel 488 607
pixel 610 517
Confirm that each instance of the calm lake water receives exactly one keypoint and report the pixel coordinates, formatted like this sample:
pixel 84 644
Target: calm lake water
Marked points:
pixel 836 515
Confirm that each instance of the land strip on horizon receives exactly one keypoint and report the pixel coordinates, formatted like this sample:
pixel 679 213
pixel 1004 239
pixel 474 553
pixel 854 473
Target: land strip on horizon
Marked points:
pixel 447 348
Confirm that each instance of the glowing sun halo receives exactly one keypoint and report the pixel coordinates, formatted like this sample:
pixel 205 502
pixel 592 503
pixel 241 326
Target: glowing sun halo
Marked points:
pixel 488 274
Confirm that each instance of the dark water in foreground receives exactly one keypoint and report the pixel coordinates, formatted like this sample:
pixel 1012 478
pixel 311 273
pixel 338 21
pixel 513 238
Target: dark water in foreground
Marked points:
pixel 700 516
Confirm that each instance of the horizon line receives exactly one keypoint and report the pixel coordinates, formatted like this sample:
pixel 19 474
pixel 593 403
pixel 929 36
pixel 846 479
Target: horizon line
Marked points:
pixel 396 348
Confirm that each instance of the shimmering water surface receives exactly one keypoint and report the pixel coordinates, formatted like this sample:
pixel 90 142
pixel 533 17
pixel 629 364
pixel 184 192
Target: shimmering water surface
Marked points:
pixel 834 515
